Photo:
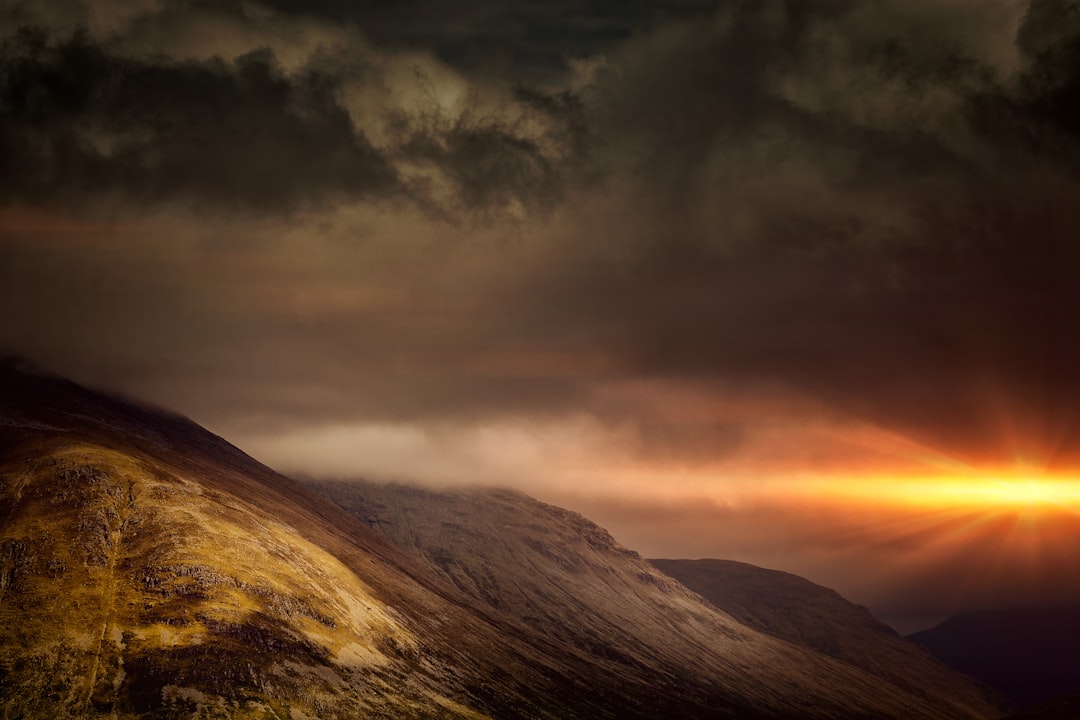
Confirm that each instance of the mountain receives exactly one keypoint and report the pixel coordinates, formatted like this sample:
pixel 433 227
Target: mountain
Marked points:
pixel 1030 655
pixel 566 578
pixel 148 568
pixel 794 609
pixel 1062 708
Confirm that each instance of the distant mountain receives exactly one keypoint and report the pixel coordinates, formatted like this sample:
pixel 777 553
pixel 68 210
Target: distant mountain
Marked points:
pixel 1062 708
pixel 1031 656
pixel 558 574
pixel 793 608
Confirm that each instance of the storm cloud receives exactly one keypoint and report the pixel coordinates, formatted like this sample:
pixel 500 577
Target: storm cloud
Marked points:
pixel 88 119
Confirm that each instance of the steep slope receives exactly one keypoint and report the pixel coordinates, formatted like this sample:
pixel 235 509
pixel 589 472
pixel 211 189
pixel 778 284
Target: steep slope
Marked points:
pixel 795 609
pixel 169 592
pixel 1031 656
pixel 558 574
pixel 150 569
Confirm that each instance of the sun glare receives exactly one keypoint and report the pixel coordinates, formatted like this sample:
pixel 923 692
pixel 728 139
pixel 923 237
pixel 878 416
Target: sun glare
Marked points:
pixel 976 491
pixel 1009 491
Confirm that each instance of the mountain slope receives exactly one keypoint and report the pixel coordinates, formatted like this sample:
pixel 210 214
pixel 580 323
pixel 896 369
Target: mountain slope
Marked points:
pixel 795 609
pixel 1031 656
pixel 169 593
pixel 562 576
pixel 149 568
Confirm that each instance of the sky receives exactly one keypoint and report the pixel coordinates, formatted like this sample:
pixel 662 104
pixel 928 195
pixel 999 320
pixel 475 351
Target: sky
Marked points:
pixel 783 281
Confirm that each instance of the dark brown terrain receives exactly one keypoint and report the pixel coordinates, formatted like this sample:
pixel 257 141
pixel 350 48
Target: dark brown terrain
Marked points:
pixel 1031 655
pixel 1062 708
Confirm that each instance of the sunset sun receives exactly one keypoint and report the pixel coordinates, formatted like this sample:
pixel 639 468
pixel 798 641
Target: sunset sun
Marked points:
pixel 1026 491
pixel 974 491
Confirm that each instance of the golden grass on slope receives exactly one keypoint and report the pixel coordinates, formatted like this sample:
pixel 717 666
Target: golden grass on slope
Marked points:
pixel 125 588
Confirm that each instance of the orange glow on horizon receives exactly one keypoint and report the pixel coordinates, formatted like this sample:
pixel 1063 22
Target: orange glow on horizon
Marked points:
pixel 999 491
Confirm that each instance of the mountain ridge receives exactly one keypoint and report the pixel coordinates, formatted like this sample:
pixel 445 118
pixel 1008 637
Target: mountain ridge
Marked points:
pixel 151 569
pixel 472 535
pixel 793 608
pixel 257 503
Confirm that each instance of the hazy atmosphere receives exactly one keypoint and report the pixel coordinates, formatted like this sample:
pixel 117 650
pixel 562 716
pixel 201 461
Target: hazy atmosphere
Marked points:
pixel 785 282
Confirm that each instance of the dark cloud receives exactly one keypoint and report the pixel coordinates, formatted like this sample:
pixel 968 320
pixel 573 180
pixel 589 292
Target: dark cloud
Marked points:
pixel 522 40
pixel 868 204
pixel 912 272
pixel 486 164
pixel 79 122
